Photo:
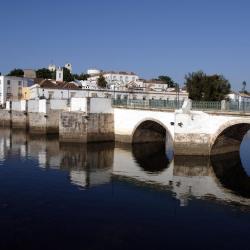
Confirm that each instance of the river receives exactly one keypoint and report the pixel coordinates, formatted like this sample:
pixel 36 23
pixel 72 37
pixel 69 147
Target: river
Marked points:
pixel 116 196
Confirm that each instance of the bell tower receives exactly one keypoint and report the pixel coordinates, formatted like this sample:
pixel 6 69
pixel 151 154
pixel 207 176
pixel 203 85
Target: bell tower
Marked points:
pixel 59 74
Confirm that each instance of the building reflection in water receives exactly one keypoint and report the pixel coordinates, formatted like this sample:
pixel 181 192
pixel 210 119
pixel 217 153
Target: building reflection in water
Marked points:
pixel 219 178
pixel 89 165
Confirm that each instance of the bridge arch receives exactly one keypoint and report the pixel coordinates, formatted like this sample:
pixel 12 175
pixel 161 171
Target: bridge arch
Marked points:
pixel 229 136
pixel 150 130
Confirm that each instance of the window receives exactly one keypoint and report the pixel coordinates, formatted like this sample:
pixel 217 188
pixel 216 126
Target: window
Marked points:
pixel 51 93
pixel 19 83
pixel 118 97
pixel 8 93
pixel 8 82
pixel 125 97
pixel 19 92
pixel 72 94
pixel 144 98
pixel 94 95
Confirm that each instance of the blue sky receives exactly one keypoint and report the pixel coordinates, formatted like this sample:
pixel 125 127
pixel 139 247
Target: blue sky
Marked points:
pixel 149 37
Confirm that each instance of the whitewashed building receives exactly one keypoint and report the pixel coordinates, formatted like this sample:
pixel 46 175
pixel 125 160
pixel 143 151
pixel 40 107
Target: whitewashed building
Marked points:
pixel 155 85
pixel 114 79
pixel 11 87
pixel 60 90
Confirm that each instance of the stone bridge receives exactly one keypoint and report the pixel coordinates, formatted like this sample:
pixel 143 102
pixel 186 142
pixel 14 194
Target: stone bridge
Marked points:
pixel 191 132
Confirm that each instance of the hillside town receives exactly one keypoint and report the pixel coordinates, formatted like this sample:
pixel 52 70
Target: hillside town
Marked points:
pixel 121 85
pixel 118 85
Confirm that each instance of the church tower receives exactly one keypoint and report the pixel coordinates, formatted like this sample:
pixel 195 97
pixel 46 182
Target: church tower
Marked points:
pixel 59 74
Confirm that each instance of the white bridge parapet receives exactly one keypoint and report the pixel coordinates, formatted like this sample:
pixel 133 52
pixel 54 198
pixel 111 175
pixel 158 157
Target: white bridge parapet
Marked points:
pixel 193 132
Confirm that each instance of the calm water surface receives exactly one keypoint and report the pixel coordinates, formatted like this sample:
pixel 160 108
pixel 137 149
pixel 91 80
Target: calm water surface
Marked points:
pixel 106 196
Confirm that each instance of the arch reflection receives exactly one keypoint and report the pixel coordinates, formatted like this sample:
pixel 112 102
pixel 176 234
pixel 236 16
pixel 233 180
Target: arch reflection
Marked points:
pixel 221 177
pixel 151 157
pixel 229 170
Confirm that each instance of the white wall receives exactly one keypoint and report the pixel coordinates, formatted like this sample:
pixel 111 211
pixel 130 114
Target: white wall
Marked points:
pixel 101 105
pixel 42 106
pixel 16 105
pixel 127 120
pixel 78 104
pixel 33 105
pixel 23 104
pixel 57 104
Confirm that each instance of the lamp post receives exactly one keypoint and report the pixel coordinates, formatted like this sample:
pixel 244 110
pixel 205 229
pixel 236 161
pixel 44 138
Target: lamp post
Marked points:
pixel 177 91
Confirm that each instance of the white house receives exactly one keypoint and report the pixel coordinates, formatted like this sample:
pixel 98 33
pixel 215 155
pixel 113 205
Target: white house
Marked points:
pixel 11 87
pixel 156 85
pixel 113 78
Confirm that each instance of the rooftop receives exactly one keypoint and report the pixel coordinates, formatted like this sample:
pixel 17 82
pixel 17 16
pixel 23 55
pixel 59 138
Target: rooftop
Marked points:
pixel 52 84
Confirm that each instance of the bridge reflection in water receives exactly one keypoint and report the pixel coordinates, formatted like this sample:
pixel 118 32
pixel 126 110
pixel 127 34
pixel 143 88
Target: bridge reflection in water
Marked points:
pixel 220 178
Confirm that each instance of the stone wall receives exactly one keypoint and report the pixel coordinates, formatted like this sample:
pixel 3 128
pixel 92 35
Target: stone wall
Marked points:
pixel 19 119
pixel 73 127
pixel 78 127
pixel 37 123
pixel 52 122
pixel 100 127
pixel 5 118
pixel 41 123
pixel 192 144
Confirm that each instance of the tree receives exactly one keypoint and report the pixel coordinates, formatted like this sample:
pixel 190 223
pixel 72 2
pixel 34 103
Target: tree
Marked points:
pixel 67 77
pixel 101 82
pixel 202 87
pixel 16 72
pixel 168 80
pixel 44 73
pixel 80 77
pixel 53 74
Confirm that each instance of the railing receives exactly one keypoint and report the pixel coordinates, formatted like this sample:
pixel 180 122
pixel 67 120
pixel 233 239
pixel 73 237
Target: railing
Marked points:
pixel 147 104
pixel 229 106
pixel 223 106
pixel 237 106
pixel 201 105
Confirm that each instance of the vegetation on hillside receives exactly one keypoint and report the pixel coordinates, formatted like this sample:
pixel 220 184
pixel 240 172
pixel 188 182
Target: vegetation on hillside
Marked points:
pixel 101 82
